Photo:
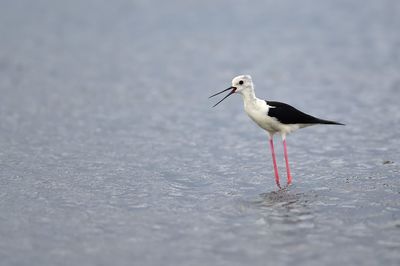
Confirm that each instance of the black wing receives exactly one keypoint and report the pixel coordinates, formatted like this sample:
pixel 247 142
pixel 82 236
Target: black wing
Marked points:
pixel 287 114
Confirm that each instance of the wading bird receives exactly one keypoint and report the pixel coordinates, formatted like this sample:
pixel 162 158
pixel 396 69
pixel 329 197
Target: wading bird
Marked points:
pixel 274 117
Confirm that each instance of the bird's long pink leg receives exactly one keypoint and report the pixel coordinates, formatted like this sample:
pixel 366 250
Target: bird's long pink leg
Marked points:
pixel 289 176
pixel 271 144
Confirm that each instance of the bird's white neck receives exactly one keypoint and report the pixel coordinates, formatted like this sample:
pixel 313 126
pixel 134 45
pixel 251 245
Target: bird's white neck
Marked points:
pixel 249 97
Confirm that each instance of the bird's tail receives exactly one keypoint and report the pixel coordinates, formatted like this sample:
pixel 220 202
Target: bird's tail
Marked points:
pixel 328 122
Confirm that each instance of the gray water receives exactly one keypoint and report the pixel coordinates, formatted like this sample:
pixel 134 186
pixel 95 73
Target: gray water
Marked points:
pixel 111 155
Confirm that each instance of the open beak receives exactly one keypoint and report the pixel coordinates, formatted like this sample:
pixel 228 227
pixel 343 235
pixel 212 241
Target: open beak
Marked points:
pixel 233 89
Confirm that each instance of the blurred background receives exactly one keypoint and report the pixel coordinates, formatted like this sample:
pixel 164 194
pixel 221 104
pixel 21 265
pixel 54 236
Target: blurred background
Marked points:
pixel 111 154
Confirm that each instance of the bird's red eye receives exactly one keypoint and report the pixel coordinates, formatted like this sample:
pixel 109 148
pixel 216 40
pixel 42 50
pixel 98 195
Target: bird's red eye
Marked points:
pixel 241 82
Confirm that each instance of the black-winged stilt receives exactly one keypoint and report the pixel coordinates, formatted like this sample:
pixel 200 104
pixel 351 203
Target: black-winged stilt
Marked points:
pixel 274 117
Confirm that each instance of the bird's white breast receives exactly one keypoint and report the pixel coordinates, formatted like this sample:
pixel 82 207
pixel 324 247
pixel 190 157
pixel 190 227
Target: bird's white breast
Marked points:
pixel 258 111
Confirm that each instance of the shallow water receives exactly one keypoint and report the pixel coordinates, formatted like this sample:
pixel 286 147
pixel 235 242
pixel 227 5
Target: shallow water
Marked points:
pixel 110 152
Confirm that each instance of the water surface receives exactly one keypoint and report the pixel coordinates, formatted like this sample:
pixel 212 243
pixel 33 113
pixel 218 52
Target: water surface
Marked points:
pixel 111 154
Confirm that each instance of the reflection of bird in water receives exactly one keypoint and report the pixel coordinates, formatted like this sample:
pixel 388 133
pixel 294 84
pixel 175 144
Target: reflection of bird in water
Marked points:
pixel 274 117
pixel 286 211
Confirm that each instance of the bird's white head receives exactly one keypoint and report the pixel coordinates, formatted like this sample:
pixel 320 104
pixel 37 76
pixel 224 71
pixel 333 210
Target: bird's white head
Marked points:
pixel 242 84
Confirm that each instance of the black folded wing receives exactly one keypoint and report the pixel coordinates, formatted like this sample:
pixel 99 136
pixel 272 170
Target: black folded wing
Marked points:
pixel 287 114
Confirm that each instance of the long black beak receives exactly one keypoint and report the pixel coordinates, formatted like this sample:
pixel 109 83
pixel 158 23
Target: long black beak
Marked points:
pixel 233 89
